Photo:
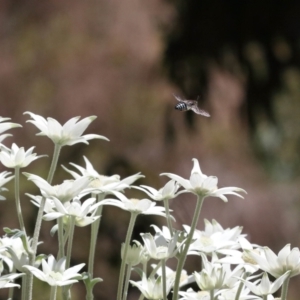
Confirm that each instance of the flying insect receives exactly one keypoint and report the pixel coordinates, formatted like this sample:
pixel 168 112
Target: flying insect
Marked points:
pixel 185 105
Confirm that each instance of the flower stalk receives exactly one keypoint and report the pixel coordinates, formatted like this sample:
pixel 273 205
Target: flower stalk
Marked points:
pixel 284 289
pixel 169 221
pixel 38 224
pixel 186 246
pixel 18 203
pixel 241 285
pixel 126 283
pixel 133 217
pixel 94 235
pixel 164 278
pixel 53 293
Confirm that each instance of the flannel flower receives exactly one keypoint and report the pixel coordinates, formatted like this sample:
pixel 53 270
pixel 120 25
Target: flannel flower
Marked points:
pixel 6 126
pixel 55 272
pixel 64 191
pixel 3 180
pixel 242 258
pixel 287 260
pixel 165 231
pixel 143 206
pixel 68 134
pixel 171 274
pixel 17 157
pixel 214 238
pixel 216 276
pixel 190 294
pixel 152 287
pixel 230 294
pixel 264 287
pixel 158 247
pixel 73 208
pixel 135 255
pixel 17 253
pixel 169 191
pixel 204 186
pixel 6 281
pixel 101 183
pixel 49 204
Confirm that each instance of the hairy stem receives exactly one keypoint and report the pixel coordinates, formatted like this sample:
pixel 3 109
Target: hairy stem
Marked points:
pixel 186 247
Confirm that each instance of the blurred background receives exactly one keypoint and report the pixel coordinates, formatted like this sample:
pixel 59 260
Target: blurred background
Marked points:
pixel 123 61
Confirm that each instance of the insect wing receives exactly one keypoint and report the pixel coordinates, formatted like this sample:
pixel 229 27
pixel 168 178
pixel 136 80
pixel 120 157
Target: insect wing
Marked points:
pixel 190 103
pixel 199 111
pixel 178 98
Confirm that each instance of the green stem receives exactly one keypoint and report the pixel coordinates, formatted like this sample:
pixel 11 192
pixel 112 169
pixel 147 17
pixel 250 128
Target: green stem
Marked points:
pixel 24 281
pixel 94 235
pixel 241 285
pixel 169 221
pixel 70 240
pixel 155 269
pixel 141 296
pixel 145 267
pixel 53 293
pixel 164 278
pixel 30 252
pixel 186 247
pixel 61 241
pixel 284 289
pixel 126 284
pixel 56 153
pixel 38 224
pixel 11 289
pixel 123 264
pixel 17 198
pixel 212 294
pixel 66 293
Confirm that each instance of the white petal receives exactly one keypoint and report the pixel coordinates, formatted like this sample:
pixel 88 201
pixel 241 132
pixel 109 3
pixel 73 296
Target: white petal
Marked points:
pixel 196 168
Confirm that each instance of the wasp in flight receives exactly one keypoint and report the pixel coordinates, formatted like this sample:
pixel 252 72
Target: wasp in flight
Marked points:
pixel 185 105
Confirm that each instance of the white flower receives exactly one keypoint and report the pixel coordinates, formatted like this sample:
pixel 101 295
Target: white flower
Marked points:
pixel 55 273
pixel 73 208
pixel 49 203
pixel 165 231
pixel 190 294
pixel 287 260
pixel 204 186
pixel 68 134
pixel 5 280
pixel 158 247
pixel 64 191
pixel 169 191
pixel 151 288
pixel 265 287
pixel 6 126
pixel 3 180
pixel 101 183
pixel 144 206
pixel 237 257
pixel 17 157
pixel 230 294
pixel 214 238
pixel 171 274
pixel 14 253
pixel 216 276
pixel 135 254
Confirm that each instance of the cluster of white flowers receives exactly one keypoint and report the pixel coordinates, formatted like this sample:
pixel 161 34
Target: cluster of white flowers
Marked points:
pixel 231 265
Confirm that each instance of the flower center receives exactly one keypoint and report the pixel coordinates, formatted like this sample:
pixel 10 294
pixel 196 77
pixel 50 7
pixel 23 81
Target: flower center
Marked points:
pixel 248 259
pixel 206 241
pixel 56 276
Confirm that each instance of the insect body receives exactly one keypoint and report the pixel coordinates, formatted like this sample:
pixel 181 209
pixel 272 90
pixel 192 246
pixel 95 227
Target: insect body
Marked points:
pixel 185 105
